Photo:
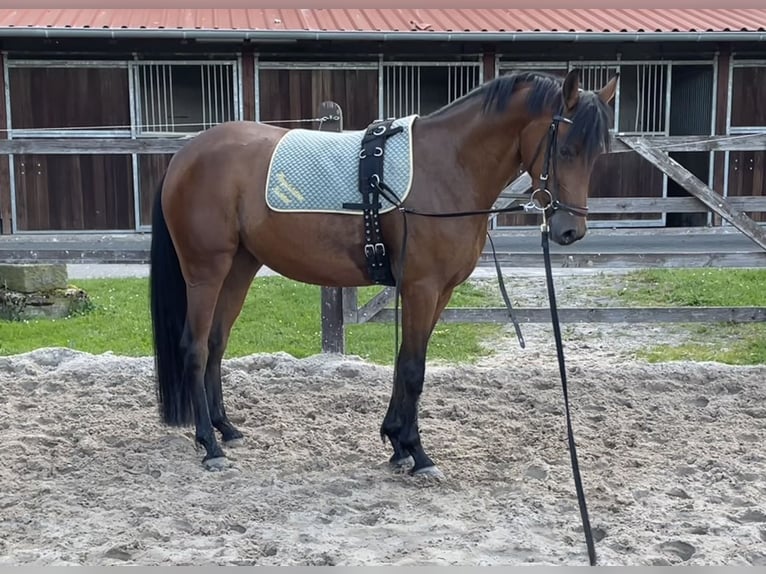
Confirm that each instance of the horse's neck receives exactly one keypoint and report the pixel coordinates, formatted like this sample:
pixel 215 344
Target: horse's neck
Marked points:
pixel 485 146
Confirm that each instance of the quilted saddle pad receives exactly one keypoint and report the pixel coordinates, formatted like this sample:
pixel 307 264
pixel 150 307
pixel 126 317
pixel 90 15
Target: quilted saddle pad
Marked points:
pixel 312 170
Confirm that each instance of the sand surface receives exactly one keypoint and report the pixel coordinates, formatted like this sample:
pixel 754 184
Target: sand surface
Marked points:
pixel 673 460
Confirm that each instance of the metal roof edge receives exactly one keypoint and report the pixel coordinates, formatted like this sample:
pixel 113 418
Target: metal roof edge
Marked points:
pixel 292 35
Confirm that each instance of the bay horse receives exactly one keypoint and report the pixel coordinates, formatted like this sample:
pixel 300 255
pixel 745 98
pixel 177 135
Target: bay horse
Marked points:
pixel 212 230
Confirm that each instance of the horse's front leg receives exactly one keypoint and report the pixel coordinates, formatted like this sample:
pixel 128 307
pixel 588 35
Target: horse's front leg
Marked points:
pixel 421 305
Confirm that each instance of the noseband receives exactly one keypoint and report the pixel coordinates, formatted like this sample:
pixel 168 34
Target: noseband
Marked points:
pixel 554 203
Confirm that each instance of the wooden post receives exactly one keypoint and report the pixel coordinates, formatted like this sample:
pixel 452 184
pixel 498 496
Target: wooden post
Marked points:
pixel 6 215
pixel 722 106
pixel 333 324
pixel 248 85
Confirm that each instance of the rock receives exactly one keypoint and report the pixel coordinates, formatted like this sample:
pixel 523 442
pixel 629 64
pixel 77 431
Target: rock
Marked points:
pixel 56 304
pixel 33 277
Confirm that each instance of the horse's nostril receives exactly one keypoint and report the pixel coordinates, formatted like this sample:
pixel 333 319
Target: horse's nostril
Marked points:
pixel 569 236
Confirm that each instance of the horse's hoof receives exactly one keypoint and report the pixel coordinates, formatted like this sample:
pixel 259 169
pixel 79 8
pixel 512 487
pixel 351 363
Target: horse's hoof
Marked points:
pixel 234 442
pixel 430 472
pixel 216 463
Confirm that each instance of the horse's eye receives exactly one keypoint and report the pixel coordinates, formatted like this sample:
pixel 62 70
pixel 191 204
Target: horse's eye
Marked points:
pixel 566 152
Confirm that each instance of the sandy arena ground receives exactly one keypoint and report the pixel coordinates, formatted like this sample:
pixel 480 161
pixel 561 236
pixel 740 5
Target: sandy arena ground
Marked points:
pixel 673 459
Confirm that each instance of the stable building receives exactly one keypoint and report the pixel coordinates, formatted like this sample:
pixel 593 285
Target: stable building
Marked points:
pixel 96 101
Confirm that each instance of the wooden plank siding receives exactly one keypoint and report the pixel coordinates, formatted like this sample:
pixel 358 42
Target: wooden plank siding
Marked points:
pixel 74 192
pixel 71 192
pixel 286 94
pixel 57 98
pixel 746 168
pixel 151 168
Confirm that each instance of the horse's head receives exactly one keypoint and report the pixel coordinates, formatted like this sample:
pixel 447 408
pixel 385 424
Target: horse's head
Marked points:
pixel 559 152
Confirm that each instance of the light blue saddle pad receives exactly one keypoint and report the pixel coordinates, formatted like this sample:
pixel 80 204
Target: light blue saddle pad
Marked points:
pixel 319 171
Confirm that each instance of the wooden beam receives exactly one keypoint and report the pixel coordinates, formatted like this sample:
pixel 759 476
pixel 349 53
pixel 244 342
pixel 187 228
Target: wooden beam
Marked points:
pixel 333 309
pixel 375 304
pixel 514 191
pixel 720 111
pixel 597 315
pixel 736 142
pixel 668 204
pixel 79 146
pixel 660 204
pixel 160 145
pixel 697 188
pixel 248 86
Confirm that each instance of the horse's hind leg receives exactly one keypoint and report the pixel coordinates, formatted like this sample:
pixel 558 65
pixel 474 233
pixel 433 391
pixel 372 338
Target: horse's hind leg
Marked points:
pixel 230 302
pixel 201 303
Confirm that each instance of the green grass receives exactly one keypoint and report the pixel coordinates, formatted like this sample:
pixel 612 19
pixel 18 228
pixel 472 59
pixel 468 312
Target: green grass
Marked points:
pixel 736 344
pixel 278 315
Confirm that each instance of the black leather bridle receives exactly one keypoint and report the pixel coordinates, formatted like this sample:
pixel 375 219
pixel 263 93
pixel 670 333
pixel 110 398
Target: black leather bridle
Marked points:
pixel 554 203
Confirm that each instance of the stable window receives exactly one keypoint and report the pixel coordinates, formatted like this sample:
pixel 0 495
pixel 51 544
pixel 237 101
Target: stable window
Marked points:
pixel 422 88
pixel 184 97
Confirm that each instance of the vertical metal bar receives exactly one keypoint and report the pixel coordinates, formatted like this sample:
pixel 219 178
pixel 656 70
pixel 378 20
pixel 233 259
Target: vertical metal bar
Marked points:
pixel 12 177
pixel 166 106
pixel 227 73
pixel 257 82
pixel 155 98
pixel 381 87
pixel 729 94
pixel 150 100
pixel 136 193
pixel 144 97
pixel 399 70
pixel 172 105
pixel 668 73
pixel 411 89
pixel 416 90
pixel 202 86
pixel 216 109
pixel 638 98
pixel 657 95
pixel 420 91
pixel 449 84
pixel 132 99
pixel 617 97
pixel 713 117
pixel 238 100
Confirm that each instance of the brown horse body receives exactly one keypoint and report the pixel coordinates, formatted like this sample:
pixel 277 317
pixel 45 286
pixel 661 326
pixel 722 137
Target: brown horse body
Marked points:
pixel 213 230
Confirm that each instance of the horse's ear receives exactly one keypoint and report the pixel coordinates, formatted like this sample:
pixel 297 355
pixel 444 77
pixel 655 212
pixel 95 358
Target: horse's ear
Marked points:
pixel 571 89
pixel 607 92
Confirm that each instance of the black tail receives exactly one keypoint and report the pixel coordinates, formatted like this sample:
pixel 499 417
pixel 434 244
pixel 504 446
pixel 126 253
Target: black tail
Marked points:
pixel 167 293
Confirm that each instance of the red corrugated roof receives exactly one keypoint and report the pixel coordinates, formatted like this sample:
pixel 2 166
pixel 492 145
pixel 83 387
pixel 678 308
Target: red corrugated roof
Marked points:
pixel 392 20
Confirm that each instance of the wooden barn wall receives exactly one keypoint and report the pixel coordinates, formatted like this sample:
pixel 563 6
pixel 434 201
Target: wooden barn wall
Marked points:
pixel 746 168
pixel 69 97
pixel 297 94
pixel 74 192
pixel 71 192
pixel 151 168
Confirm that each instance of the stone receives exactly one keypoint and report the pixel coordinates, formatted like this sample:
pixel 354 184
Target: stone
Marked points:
pixel 56 304
pixel 33 277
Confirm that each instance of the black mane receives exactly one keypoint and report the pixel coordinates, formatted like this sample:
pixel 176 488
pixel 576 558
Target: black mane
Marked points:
pixel 592 117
